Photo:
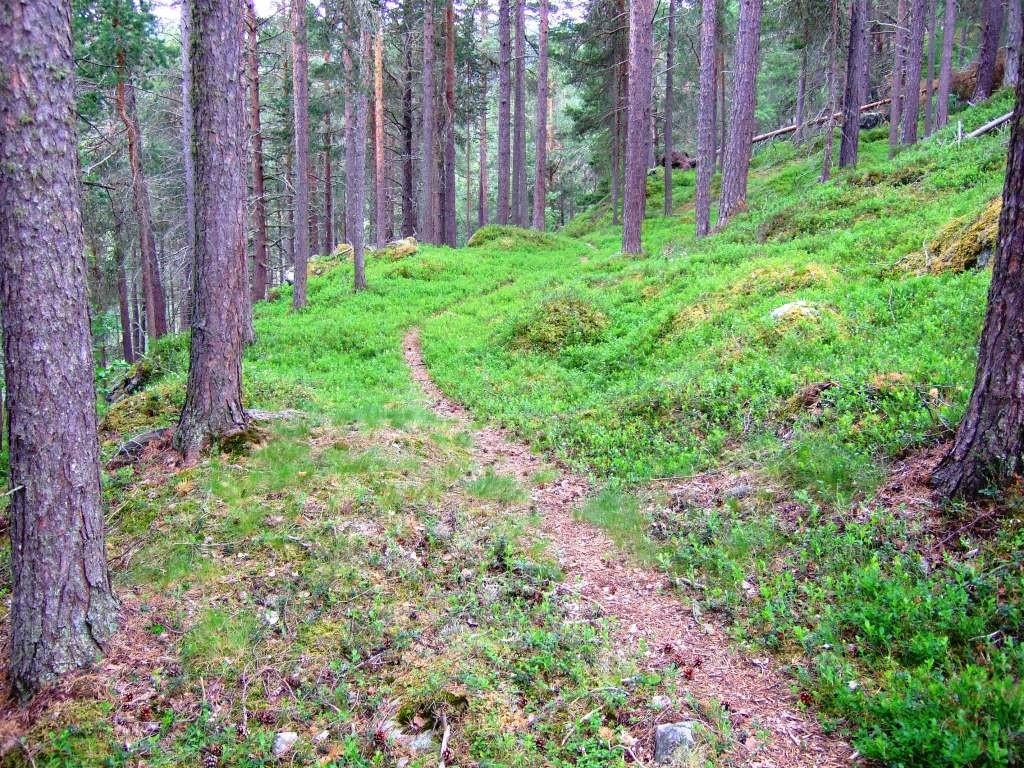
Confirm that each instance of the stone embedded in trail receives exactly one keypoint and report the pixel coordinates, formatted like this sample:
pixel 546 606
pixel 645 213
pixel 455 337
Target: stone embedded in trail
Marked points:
pixel 671 739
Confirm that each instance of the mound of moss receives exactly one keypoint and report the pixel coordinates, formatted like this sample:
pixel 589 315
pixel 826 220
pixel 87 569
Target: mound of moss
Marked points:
pixel 962 244
pixel 156 405
pixel 509 237
pixel 398 249
pixel 560 321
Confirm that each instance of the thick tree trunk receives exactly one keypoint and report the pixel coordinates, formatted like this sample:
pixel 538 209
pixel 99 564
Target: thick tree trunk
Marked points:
pixel 504 110
pixel 638 128
pixel 430 230
pixel 991 27
pixel 945 65
pixel 300 99
pixel 856 63
pixel 670 57
pixel 188 170
pixel 737 149
pixel 482 188
pixel 408 170
pixel 912 87
pixel 519 119
pixel 929 112
pixel 379 172
pixel 832 89
pixel 329 241
pixel 706 108
pixel 989 444
pixel 213 396
pixel 260 260
pixel 449 235
pixel 540 194
pixel 153 291
pixel 898 71
pixel 62 609
pixel 1014 29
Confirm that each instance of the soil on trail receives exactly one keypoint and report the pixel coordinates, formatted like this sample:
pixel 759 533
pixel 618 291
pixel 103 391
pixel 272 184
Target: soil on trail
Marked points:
pixel 650 620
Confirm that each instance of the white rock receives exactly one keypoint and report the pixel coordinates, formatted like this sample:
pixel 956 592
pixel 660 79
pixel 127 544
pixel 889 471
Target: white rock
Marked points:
pixel 284 742
pixel 660 702
pixel 672 738
pixel 321 737
pixel 271 617
pixel 795 309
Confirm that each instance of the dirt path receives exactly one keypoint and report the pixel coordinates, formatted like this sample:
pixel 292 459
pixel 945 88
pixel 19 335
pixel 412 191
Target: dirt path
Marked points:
pixel 755 693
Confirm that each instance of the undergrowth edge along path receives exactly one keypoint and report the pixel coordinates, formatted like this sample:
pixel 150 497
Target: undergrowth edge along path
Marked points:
pixel 755 693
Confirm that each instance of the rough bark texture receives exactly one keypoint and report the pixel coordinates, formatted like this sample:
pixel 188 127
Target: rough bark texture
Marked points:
pixel 670 56
pixel 62 608
pixel 737 149
pixel 896 81
pixel 213 397
pixel 853 97
pixel 260 262
pixel 380 200
pixel 991 27
pixel 329 240
pixel 912 86
pixel 519 119
pixel 1014 28
pixel 801 85
pixel 638 127
pixel 300 99
pixel 408 141
pixel 929 77
pixel 188 171
pixel 449 233
pixel 357 74
pixel 429 231
pixel 989 444
pixel 504 110
pixel 482 188
pixel 945 65
pixel 124 312
pixel 706 107
pixel 832 89
pixel 540 194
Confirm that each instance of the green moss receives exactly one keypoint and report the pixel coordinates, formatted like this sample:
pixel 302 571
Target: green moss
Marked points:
pixel 962 244
pixel 559 322
pixel 506 237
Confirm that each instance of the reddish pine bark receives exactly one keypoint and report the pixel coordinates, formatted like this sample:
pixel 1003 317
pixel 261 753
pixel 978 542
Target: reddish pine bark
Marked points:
pixel 329 241
pixel 854 96
pixel 188 171
pixel 123 306
pixel 260 264
pixel 300 98
pixel 449 233
pixel 706 107
pixel 945 65
pixel 801 84
pixel 638 122
pixel 408 141
pixel 912 86
pixel 213 396
pixel 482 201
pixel 540 195
pixel 896 80
pixel 62 609
pixel 429 166
pixel 379 173
pixel 670 53
pixel 832 89
pixel 504 110
pixel 989 442
pixel 1014 29
pixel 737 149
pixel 519 119
pixel 991 27
pixel 929 77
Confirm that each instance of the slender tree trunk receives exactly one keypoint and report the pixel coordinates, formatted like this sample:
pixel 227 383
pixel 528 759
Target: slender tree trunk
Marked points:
pixel 832 88
pixel 989 442
pixel 357 119
pixel 929 114
pixel 519 119
pixel 736 161
pixel 408 180
pixel 62 609
pixel 991 27
pixel 188 171
pixel 156 306
pixel 139 321
pixel 314 219
pixel 450 235
pixel 670 56
pixel 379 172
pixel 706 108
pixel 898 71
pixel 856 63
pixel 638 128
pixel 615 176
pixel 124 311
pixel 801 84
pixel 300 97
pixel 213 396
pixel 260 262
pixel 329 241
pixel 945 65
pixel 482 188
pixel 1014 29
pixel 504 110
pixel 469 187
pixel 540 195
pixel 912 88
pixel 429 173
pixel 720 68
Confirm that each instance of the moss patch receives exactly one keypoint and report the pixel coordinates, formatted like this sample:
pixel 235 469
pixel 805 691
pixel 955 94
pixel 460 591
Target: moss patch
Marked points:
pixel 559 322
pixel 962 244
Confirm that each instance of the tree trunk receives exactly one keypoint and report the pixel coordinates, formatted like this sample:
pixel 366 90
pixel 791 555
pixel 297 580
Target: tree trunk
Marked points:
pixel 670 54
pixel 638 124
pixel 329 241
pixel 260 262
pixel 945 65
pixel 213 396
pixel 832 89
pixel 504 110
pixel 929 113
pixel 856 63
pixel 736 160
pixel 124 312
pixel 450 234
pixel 519 119
pixel 408 178
pixel 188 171
pixel 429 173
pixel 540 195
pixel 482 188
pixel 1014 28
pixel 898 71
pixel 356 123
pixel 801 83
pixel 62 608
pixel 991 27
pixel 912 87
pixel 300 98
pixel 615 174
pixel 153 292
pixel 706 108
pixel 989 442
pixel 379 172
pixel 314 220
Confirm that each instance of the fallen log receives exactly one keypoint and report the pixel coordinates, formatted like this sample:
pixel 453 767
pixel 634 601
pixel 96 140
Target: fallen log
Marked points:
pixel 815 121
pixel 991 125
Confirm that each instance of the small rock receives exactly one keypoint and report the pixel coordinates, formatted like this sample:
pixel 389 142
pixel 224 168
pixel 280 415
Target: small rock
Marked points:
pixel 271 617
pixel 795 310
pixel 670 738
pixel 739 491
pixel 422 742
pixel 321 737
pixel 284 742
pixel 660 702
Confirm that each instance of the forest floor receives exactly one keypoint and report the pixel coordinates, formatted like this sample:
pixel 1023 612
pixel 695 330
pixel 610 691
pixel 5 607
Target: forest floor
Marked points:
pixel 721 515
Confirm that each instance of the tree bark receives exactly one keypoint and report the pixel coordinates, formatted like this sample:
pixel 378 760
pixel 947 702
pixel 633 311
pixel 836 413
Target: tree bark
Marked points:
pixel 504 110
pixel 300 98
pixel 482 188
pixel 519 119
pixel 127 348
pixel 379 171
pixel 736 161
pixel 188 171
pixel 991 27
pixel 801 83
pixel 945 65
pixel 832 89
pixel 929 111
pixel 1014 29
pixel 63 609
pixel 408 169
pixel 540 195
pixel 706 108
pixel 213 396
pixel 989 443
pixel 856 63
pixel 260 264
pixel 329 241
pixel 670 54
pixel 912 87
pixel 898 70
pixel 638 128
pixel 429 173
pixel 449 234
pixel 356 124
